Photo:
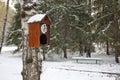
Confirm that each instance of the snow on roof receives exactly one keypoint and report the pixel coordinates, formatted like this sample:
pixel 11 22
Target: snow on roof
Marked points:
pixel 36 18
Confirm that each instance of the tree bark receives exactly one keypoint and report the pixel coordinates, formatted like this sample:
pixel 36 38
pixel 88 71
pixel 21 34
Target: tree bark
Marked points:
pixel 4 26
pixel 107 48
pixel 44 58
pixel 116 30
pixel 65 52
pixel 31 58
pixel 88 54
pixel 80 50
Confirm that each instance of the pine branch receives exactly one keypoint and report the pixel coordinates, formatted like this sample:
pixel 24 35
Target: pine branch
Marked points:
pixel 100 19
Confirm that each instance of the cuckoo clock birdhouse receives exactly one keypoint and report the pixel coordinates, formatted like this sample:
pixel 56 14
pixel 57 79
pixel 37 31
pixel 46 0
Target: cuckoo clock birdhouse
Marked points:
pixel 39 30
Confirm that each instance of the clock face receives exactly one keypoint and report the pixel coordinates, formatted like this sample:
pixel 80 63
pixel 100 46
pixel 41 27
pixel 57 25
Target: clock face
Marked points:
pixel 44 28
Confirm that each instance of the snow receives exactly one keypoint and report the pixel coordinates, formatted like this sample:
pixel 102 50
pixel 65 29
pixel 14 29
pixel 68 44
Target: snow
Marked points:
pixel 11 67
pixel 36 18
pixel 28 5
pixel 34 0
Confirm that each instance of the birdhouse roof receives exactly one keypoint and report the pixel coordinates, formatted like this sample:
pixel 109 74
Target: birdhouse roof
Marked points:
pixel 36 18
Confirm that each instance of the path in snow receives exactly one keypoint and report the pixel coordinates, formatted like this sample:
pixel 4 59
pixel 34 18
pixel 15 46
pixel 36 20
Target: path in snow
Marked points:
pixel 81 71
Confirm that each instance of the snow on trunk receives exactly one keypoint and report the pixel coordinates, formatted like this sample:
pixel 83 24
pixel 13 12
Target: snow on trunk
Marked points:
pixel 31 57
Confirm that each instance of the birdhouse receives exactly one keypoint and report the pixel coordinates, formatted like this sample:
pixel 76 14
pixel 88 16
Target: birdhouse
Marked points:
pixel 39 30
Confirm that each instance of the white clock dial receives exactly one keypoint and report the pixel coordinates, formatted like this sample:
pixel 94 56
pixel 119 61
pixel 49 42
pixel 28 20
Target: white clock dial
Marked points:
pixel 44 28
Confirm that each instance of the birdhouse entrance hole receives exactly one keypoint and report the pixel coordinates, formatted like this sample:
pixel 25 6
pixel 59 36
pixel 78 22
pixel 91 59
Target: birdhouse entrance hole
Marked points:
pixel 43 39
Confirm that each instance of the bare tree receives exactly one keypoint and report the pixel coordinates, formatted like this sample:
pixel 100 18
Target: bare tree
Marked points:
pixel 4 26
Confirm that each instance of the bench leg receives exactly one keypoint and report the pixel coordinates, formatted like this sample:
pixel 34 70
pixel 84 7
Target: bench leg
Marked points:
pixel 97 61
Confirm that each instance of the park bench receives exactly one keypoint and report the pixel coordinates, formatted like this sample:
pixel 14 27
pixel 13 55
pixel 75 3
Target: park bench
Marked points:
pixel 87 59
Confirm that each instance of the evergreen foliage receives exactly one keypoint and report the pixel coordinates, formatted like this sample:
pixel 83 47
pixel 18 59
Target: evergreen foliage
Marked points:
pixel 76 24
pixel 14 36
pixel 69 22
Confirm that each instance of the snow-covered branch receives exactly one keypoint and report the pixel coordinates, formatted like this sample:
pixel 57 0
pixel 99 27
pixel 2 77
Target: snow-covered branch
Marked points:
pixel 108 26
pixel 101 18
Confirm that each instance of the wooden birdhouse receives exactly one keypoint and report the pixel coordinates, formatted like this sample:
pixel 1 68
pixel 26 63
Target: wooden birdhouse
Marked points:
pixel 39 30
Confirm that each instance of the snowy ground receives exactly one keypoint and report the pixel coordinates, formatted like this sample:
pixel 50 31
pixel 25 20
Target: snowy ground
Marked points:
pixel 11 66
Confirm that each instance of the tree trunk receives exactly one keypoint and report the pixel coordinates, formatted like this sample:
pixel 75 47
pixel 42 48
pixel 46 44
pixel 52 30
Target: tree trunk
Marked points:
pixel 116 30
pixel 107 48
pixel 44 58
pixel 88 54
pixel 4 26
pixel 65 52
pixel 31 58
pixel 31 64
pixel 80 50
pixel 85 48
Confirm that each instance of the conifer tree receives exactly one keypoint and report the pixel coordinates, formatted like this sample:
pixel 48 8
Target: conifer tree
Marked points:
pixel 69 20
pixel 14 36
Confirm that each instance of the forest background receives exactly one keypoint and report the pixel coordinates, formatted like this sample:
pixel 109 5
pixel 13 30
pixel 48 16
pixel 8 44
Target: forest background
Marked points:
pixel 77 25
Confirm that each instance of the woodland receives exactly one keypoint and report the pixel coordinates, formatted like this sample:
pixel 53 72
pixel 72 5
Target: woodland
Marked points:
pixel 77 26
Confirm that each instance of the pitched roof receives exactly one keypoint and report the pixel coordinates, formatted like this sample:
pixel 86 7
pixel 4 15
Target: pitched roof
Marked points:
pixel 36 18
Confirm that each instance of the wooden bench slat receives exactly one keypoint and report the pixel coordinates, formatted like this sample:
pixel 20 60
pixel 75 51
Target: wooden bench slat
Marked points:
pixel 83 58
